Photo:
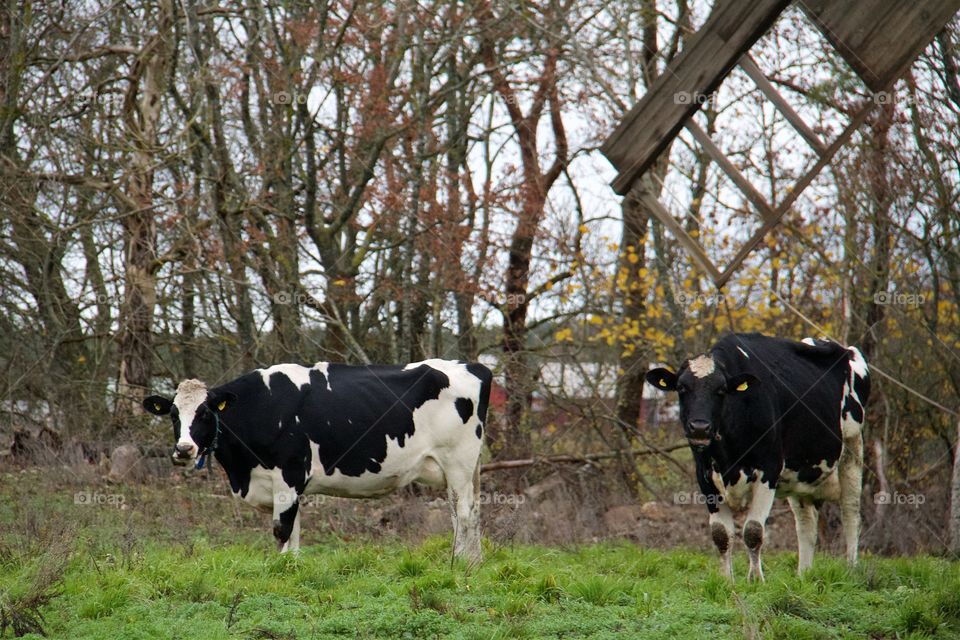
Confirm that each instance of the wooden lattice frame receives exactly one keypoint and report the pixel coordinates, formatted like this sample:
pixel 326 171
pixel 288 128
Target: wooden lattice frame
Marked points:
pixel 724 41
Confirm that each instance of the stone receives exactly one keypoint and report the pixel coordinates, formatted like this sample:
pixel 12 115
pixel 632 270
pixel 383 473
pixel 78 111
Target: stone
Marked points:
pixel 123 462
pixel 622 520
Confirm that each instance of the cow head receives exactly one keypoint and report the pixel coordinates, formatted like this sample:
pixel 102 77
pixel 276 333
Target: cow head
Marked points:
pixel 195 413
pixel 703 387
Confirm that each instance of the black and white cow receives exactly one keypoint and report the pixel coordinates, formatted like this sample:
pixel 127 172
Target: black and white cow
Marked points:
pixel 350 431
pixel 770 417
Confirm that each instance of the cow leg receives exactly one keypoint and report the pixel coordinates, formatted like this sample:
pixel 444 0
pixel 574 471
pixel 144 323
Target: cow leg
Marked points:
pixel 805 515
pixel 463 492
pixel 721 518
pixel 851 486
pixel 294 542
pixel 760 504
pixel 286 518
pixel 721 530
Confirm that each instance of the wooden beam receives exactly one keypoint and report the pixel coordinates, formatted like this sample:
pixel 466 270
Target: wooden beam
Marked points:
pixel 798 188
pixel 880 39
pixel 693 247
pixel 708 56
pixel 755 197
pixel 753 71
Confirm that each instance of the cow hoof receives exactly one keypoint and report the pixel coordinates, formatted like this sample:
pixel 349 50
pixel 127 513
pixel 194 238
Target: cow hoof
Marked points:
pixel 755 574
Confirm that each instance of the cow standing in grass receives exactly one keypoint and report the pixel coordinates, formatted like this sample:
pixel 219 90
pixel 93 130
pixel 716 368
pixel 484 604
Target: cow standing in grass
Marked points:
pixel 350 431
pixel 770 417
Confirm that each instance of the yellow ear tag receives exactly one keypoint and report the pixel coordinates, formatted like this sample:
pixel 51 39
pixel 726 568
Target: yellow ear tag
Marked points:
pixel 156 405
pixel 742 387
pixel 222 405
pixel 663 382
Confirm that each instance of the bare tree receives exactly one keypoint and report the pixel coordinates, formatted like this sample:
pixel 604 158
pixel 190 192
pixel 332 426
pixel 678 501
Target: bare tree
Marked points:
pixel 536 182
pixel 141 116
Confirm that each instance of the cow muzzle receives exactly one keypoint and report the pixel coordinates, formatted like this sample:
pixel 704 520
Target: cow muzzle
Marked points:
pixel 184 453
pixel 698 433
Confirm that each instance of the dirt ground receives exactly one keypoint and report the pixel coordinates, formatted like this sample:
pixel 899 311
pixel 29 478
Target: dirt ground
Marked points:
pixel 565 505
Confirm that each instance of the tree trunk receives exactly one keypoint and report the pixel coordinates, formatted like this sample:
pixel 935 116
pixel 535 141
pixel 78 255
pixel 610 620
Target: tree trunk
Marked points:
pixel 882 197
pixel 513 438
pixel 633 242
pixel 881 504
pixel 955 497
pixel 141 116
pixel 518 376
pixel 219 170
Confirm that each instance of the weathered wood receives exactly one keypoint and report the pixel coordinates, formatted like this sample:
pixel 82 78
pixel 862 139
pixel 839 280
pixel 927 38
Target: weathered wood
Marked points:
pixel 754 196
pixel 753 71
pixel 880 38
pixel 795 192
pixel 729 32
pixel 692 246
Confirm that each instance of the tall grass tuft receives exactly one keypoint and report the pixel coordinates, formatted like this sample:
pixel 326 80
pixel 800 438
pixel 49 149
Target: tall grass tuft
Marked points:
pixel 411 566
pixel 547 590
pixel 599 590
pixel 40 579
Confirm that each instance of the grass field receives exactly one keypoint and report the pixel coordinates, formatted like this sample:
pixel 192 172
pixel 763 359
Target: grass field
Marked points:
pixel 105 572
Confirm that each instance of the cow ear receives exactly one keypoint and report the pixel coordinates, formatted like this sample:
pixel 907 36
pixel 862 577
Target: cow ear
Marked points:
pixel 662 379
pixel 742 382
pixel 220 400
pixel 157 405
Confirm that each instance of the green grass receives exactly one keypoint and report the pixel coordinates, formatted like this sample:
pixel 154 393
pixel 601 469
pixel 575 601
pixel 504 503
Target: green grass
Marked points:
pixel 366 590
pixel 123 579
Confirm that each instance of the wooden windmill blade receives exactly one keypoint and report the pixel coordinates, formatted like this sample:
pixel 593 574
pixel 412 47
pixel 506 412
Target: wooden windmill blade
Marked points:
pixel 878 38
pixel 708 57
